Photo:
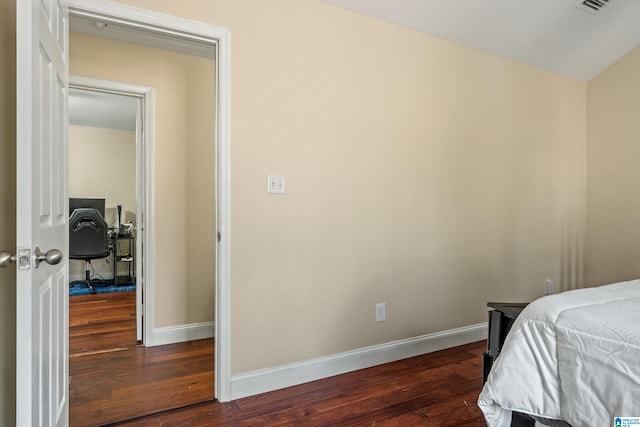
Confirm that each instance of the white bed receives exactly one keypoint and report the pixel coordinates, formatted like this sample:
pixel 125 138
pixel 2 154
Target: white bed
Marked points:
pixel 574 356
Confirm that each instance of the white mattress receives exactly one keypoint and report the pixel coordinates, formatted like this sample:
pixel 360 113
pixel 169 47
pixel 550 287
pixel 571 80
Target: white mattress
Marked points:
pixel 573 356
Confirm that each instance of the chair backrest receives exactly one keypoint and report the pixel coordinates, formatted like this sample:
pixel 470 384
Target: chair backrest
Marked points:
pixel 88 234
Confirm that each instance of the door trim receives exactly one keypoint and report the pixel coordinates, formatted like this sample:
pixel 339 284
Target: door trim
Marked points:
pixel 172 26
pixel 144 190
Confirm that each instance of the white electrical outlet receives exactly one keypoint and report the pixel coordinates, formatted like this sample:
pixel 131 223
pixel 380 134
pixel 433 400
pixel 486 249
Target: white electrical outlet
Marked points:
pixel 381 312
pixel 275 184
pixel 548 286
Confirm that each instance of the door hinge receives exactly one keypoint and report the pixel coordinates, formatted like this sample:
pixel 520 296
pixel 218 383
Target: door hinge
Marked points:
pixel 219 236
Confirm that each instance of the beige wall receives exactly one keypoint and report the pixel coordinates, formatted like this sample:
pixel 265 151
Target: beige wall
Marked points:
pixel 613 237
pixel 200 203
pixel 7 210
pixel 184 274
pixel 102 164
pixel 420 173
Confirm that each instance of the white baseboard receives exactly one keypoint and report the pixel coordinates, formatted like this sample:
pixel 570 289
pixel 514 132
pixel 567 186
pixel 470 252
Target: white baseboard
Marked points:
pixel 264 380
pixel 182 333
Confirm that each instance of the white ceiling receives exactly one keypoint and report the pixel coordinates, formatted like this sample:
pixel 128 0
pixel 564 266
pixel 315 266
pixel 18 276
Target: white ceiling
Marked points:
pixel 554 35
pixel 103 110
pixel 148 38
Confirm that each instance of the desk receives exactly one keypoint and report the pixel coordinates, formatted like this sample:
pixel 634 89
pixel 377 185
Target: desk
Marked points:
pixel 123 247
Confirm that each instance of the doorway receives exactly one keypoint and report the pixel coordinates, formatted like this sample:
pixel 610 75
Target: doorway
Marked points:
pixel 189 142
pixel 108 158
pixel 171 28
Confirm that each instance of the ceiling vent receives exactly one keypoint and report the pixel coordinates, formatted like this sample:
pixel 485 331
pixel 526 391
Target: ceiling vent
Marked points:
pixel 592 6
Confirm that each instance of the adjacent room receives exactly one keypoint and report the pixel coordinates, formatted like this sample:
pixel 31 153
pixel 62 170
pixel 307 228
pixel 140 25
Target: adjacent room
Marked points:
pixel 102 176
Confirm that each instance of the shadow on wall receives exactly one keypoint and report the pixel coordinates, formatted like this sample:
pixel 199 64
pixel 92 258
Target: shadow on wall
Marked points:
pixel 571 257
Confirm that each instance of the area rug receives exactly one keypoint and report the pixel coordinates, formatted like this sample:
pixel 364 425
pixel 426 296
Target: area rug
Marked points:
pixel 81 288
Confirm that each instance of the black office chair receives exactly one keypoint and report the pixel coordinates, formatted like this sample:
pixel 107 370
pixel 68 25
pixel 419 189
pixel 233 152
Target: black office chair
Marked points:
pixel 88 239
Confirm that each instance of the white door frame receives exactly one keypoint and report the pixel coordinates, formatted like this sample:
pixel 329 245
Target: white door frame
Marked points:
pixel 144 195
pixel 172 26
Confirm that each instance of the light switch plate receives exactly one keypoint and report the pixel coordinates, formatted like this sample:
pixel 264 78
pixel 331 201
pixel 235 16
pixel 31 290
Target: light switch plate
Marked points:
pixel 276 184
pixel 381 312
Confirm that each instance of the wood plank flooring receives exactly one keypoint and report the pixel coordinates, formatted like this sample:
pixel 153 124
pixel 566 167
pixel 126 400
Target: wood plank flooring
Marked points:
pixel 102 322
pixel 112 379
pixel 434 390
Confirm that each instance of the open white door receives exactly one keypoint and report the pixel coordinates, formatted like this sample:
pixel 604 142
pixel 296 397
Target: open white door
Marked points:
pixel 42 226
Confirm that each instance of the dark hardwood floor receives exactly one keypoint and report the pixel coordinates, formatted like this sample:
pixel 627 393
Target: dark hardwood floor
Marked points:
pixel 435 390
pixel 112 379
pixel 102 322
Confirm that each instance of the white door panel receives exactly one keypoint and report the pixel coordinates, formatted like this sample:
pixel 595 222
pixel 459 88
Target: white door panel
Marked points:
pixel 42 290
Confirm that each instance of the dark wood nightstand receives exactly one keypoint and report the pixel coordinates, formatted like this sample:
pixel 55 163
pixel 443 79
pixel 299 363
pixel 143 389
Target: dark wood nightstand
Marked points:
pixel 501 319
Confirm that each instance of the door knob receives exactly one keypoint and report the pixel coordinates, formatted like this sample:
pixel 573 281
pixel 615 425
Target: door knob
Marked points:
pixel 52 257
pixel 6 258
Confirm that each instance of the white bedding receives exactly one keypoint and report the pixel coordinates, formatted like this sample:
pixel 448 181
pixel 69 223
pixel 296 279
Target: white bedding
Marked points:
pixel 574 356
